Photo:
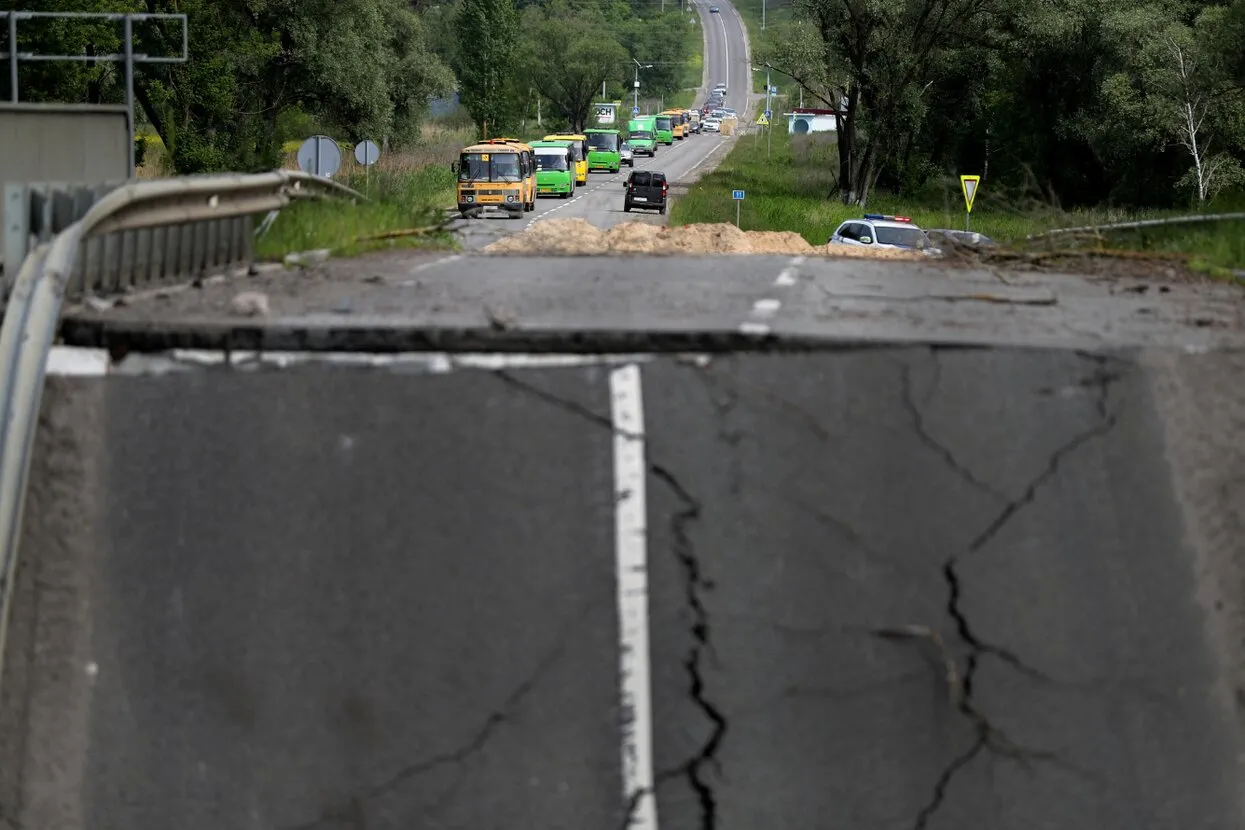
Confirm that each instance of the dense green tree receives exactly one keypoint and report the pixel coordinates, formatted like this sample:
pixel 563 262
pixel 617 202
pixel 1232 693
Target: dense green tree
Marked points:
pixel 1073 100
pixel 361 66
pixel 568 55
pixel 488 43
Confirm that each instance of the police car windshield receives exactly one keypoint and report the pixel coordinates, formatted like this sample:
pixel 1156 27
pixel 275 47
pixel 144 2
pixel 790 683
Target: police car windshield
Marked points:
pixel 906 237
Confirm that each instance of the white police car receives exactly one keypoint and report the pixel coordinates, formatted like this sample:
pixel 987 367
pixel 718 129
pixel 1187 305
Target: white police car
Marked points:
pixel 883 231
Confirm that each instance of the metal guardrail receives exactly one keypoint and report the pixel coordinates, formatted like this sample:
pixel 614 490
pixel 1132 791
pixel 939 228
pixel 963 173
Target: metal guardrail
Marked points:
pixel 34 212
pixel 206 222
pixel 1140 224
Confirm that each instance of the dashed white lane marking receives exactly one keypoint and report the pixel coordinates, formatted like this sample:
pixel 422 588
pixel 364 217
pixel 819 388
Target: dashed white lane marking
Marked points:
pixel 766 307
pixel 445 260
pixel 631 562
pixel 786 277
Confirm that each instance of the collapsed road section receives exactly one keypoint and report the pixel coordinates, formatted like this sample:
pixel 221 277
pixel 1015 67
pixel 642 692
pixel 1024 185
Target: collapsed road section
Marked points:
pixel 924 548
pixel 897 586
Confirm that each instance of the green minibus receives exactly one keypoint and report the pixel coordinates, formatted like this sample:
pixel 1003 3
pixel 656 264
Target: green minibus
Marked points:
pixel 555 168
pixel 642 135
pixel 664 129
pixel 603 150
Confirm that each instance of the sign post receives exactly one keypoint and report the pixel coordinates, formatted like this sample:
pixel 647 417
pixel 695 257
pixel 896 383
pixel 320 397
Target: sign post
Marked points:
pixel 969 185
pixel 738 196
pixel 366 153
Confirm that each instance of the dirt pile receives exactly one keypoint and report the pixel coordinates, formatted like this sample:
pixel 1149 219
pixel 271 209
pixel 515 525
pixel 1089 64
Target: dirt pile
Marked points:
pixel 578 237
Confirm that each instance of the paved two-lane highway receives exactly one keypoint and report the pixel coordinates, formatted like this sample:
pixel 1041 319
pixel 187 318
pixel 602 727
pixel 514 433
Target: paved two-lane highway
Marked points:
pixel 726 59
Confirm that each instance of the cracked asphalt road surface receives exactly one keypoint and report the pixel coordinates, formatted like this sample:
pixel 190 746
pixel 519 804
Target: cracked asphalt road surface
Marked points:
pixel 899 587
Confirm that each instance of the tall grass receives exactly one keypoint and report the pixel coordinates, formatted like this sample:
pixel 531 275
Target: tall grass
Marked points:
pixel 792 187
pixel 411 201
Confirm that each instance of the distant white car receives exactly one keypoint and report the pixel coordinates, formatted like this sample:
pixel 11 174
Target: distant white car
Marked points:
pixel 626 154
pixel 713 125
pixel 714 10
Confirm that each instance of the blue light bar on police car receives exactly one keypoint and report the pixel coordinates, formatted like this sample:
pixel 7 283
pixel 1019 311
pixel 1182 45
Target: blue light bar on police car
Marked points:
pixel 887 218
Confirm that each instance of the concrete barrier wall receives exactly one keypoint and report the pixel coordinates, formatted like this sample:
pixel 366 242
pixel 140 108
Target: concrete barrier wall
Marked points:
pixel 63 143
pixel 330 597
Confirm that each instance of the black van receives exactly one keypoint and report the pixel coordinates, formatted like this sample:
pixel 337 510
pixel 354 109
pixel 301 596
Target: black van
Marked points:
pixel 645 189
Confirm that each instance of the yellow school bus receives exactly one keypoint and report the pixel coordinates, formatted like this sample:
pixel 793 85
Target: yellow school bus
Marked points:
pixel 679 121
pixel 500 174
pixel 579 153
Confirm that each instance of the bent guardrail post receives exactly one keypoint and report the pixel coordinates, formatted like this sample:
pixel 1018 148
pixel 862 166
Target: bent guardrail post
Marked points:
pixel 33 310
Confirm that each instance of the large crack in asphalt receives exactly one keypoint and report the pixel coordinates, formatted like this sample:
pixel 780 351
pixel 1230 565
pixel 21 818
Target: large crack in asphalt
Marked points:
pixel 988 737
pixel 694 584
pixel 934 445
pixel 694 768
pixel 351 807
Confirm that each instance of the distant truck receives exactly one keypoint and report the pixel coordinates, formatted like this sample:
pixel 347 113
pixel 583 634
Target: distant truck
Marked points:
pixel 642 135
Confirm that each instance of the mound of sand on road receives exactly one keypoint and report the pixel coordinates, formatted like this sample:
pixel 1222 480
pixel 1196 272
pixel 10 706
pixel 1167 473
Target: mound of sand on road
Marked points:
pixel 578 237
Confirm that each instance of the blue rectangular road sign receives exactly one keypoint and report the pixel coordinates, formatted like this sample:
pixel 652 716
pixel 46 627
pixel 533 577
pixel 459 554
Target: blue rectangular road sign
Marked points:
pixel 773 90
pixel 635 110
pixel 737 195
pixel 769 114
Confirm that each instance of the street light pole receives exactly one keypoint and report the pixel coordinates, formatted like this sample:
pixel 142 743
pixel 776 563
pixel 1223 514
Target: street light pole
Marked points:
pixel 636 83
pixel 636 87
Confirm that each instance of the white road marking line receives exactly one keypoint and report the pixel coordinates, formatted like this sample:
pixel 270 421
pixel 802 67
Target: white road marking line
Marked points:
pixel 77 362
pixel 766 307
pixel 435 362
pixel 631 561
pixel 750 327
pixel 718 146
pixel 442 261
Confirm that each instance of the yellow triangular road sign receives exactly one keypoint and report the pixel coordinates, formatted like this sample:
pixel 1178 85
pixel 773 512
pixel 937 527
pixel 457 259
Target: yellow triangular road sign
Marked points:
pixel 969 185
pixel 763 121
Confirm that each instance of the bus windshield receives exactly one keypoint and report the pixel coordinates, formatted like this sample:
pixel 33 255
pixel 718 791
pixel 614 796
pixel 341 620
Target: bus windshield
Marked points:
pixel 607 142
pixel 641 135
pixel 488 167
pixel 551 160
pixel 663 123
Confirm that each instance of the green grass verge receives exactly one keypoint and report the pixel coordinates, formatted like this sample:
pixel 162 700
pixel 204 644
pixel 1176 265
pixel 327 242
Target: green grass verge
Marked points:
pixel 788 187
pixel 400 201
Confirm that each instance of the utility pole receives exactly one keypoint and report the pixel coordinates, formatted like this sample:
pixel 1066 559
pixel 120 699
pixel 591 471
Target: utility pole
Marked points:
pixel 762 15
pixel 768 105
pixel 636 87
pixel 636 83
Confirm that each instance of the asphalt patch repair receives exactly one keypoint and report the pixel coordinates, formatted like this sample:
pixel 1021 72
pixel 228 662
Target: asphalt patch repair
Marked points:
pixel 577 237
